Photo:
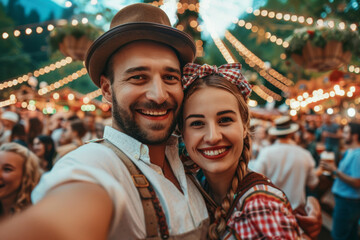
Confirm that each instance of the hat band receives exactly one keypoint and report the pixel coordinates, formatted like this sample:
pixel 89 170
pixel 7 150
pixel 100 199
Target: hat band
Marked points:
pixel 283 127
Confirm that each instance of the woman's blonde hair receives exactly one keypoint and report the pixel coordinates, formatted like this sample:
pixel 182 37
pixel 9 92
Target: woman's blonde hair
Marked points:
pixel 31 174
pixel 218 227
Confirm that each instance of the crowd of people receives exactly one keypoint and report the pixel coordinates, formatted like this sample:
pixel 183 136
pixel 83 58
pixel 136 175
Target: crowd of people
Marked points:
pixel 30 146
pixel 310 157
pixel 129 182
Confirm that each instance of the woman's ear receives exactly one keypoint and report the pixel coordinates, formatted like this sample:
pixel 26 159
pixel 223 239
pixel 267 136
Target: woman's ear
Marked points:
pixel 106 88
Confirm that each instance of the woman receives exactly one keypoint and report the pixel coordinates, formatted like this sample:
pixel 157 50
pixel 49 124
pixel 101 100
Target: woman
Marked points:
pixel 19 174
pixel 215 129
pixel 44 148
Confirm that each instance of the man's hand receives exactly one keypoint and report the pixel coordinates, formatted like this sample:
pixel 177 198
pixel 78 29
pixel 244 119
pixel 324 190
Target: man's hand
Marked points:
pixel 327 166
pixel 311 222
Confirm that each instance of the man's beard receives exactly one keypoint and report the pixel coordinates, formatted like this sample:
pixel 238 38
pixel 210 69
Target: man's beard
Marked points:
pixel 126 122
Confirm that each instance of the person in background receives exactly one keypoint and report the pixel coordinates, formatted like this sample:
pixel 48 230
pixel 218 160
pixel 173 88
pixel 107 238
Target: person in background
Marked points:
pixel 19 174
pixel 34 128
pixel 73 133
pixel 54 128
pixel 18 134
pixel 310 143
pixel 8 119
pixel 260 140
pixel 218 140
pixel 290 167
pixel 99 129
pixel 331 134
pixel 44 148
pixel 346 187
pixel 89 122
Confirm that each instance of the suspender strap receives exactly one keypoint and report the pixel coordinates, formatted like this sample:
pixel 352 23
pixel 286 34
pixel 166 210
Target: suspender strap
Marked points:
pixel 152 209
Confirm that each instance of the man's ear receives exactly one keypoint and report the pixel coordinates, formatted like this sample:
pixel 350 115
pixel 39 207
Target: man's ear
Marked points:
pixel 106 88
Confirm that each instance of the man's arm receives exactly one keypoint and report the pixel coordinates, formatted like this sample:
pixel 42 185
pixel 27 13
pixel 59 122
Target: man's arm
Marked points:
pixel 336 135
pixel 354 182
pixel 75 210
pixel 311 222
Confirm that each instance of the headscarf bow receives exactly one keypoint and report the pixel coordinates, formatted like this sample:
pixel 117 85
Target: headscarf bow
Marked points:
pixel 231 72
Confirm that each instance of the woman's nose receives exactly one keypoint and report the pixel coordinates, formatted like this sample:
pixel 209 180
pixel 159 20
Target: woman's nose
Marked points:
pixel 213 134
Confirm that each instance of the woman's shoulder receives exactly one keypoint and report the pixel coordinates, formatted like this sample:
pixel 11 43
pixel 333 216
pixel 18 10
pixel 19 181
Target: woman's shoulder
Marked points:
pixel 260 207
pixel 261 194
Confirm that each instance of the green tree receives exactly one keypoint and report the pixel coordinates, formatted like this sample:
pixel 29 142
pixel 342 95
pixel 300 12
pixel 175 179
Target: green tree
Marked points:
pixel 13 61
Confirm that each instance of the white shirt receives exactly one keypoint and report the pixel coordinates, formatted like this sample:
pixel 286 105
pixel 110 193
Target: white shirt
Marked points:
pixel 98 164
pixel 290 167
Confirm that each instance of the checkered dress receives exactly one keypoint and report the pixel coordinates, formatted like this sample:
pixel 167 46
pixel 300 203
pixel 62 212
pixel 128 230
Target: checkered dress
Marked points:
pixel 263 212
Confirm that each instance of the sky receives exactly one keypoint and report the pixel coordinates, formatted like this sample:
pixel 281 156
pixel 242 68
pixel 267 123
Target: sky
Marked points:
pixel 220 13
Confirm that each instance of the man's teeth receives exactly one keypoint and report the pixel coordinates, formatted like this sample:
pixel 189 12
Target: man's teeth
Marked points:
pixel 214 152
pixel 154 113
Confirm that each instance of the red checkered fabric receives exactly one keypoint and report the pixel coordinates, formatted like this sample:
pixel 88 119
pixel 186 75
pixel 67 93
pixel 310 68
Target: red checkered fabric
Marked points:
pixel 231 72
pixel 263 215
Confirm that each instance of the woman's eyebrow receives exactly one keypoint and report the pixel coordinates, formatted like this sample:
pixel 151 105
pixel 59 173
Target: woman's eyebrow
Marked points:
pixel 195 116
pixel 225 112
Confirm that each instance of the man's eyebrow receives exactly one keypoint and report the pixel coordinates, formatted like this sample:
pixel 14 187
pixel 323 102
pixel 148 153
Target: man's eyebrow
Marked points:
pixel 172 70
pixel 136 69
pixel 225 112
pixel 195 116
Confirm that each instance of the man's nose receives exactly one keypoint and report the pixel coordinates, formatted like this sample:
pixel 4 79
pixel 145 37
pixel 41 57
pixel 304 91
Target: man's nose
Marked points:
pixel 157 91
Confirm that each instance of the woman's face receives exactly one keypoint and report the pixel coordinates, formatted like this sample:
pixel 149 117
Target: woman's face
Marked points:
pixel 11 172
pixel 213 131
pixel 39 148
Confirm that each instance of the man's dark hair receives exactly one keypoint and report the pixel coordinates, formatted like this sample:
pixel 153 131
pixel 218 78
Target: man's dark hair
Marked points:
pixel 355 129
pixel 79 127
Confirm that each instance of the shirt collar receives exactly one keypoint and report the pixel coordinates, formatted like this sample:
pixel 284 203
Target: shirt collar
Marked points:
pixel 132 147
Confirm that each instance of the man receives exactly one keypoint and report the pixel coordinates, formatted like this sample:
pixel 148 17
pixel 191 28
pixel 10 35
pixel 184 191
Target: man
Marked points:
pixel 72 135
pixel 90 193
pixel 331 134
pixel 89 121
pixel 346 187
pixel 289 166
pixel 7 120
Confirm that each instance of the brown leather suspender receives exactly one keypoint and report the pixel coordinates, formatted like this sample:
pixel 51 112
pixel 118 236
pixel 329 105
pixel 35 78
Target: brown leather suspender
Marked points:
pixel 152 208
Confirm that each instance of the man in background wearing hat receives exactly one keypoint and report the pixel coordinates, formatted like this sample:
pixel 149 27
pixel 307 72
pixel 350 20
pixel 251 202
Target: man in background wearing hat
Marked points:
pixel 290 167
pixel 7 120
pixel 91 193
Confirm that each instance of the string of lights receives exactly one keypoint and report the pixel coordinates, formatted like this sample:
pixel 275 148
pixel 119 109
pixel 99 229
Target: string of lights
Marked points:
pixel 44 70
pixel 354 69
pixel 295 18
pixel 272 37
pixel 272 95
pixel 10 101
pixel 93 94
pixel 303 100
pixel 182 7
pixel 40 28
pixel 260 93
pixel 62 82
pixel 268 95
pixel 253 61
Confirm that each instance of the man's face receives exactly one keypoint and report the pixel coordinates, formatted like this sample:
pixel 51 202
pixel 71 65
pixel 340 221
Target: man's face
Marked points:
pixel 347 134
pixel 146 92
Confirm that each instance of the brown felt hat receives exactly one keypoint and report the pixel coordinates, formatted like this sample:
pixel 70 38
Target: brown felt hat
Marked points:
pixel 138 21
